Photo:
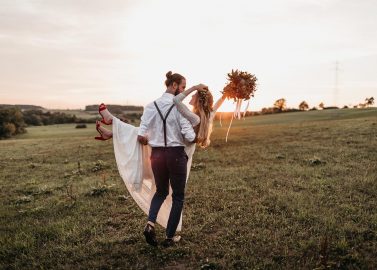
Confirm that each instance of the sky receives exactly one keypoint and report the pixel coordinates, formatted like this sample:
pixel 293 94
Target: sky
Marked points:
pixel 71 53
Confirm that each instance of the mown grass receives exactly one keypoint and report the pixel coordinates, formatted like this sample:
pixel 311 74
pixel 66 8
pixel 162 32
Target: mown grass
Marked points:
pixel 290 191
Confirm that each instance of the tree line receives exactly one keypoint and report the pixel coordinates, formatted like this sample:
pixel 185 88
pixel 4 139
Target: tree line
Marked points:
pixel 13 121
pixel 280 105
pixel 117 109
pixel 40 118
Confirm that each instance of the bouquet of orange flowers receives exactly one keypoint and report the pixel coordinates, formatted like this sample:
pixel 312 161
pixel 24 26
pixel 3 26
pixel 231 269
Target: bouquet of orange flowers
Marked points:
pixel 241 85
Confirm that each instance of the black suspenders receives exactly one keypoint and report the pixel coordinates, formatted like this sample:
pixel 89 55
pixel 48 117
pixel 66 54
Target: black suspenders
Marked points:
pixel 164 118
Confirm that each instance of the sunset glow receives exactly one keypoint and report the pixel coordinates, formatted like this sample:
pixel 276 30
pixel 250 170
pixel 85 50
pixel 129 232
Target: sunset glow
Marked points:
pixel 68 54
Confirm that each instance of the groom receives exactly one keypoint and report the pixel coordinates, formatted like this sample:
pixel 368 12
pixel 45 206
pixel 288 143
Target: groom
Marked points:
pixel 164 128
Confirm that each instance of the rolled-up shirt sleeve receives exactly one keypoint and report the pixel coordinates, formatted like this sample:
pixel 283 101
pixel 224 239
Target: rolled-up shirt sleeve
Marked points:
pixel 145 120
pixel 186 128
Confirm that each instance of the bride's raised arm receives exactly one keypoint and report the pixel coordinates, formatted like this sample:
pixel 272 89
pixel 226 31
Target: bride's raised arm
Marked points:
pixel 183 109
pixel 218 103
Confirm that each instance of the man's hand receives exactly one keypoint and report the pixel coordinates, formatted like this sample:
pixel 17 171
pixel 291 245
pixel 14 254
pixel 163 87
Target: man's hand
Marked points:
pixel 143 140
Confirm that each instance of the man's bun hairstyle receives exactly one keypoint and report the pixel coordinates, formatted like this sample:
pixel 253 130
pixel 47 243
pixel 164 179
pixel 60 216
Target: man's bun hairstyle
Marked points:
pixel 173 78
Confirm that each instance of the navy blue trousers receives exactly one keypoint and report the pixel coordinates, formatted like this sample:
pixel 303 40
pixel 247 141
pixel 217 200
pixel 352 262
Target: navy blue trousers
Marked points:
pixel 169 163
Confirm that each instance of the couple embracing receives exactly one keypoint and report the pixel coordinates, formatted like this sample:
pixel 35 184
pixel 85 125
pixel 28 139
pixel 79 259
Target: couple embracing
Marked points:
pixel 154 159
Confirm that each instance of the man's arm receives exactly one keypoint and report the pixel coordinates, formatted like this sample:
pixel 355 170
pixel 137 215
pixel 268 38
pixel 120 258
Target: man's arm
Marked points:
pixel 143 140
pixel 144 125
pixel 186 129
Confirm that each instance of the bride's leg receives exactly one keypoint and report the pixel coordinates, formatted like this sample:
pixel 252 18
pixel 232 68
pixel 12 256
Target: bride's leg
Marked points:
pixel 106 115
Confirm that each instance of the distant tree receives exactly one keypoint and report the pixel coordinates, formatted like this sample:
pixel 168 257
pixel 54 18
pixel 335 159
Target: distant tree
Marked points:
pixel 11 122
pixel 321 105
pixel 303 106
pixel 280 104
pixel 269 110
pixel 33 117
pixel 369 101
pixel 8 130
pixel 264 110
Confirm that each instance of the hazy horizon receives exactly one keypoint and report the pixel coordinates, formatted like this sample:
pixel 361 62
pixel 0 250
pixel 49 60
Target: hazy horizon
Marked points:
pixel 136 105
pixel 68 54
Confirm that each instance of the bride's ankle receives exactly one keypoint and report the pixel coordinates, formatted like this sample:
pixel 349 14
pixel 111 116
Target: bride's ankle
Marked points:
pixel 108 115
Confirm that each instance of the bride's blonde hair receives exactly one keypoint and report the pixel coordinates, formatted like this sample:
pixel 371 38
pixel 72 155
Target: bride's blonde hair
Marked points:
pixel 203 108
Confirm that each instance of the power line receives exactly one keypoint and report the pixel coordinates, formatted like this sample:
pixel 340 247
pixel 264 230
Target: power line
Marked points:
pixel 336 85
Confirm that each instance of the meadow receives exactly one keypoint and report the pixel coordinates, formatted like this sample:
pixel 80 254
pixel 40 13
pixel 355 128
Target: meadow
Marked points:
pixel 287 191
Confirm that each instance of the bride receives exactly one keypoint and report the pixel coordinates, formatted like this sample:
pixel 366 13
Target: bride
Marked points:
pixel 133 158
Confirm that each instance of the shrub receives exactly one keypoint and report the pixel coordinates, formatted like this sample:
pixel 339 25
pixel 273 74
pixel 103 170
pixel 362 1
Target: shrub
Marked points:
pixel 11 122
pixel 81 126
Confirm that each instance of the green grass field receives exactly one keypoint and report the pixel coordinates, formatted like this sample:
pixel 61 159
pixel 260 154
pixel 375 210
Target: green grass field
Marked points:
pixel 287 191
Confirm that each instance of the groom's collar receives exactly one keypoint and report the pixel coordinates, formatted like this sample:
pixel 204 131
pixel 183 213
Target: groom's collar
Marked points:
pixel 167 95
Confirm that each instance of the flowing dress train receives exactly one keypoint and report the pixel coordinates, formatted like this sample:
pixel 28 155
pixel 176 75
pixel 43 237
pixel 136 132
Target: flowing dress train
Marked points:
pixel 134 165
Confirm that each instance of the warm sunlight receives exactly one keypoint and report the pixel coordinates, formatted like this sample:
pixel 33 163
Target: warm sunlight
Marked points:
pixel 72 55
pixel 217 134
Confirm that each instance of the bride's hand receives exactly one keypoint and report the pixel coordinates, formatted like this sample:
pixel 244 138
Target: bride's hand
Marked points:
pixel 201 87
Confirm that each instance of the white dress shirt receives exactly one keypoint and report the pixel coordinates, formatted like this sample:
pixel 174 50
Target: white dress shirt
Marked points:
pixel 178 128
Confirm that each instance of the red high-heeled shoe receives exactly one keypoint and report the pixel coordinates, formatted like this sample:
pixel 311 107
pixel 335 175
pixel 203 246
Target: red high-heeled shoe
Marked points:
pixel 102 107
pixel 100 138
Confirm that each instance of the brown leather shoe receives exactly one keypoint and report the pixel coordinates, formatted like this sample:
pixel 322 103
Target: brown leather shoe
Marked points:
pixel 150 235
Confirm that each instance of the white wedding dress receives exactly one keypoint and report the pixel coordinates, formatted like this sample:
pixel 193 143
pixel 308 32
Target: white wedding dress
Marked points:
pixel 134 165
